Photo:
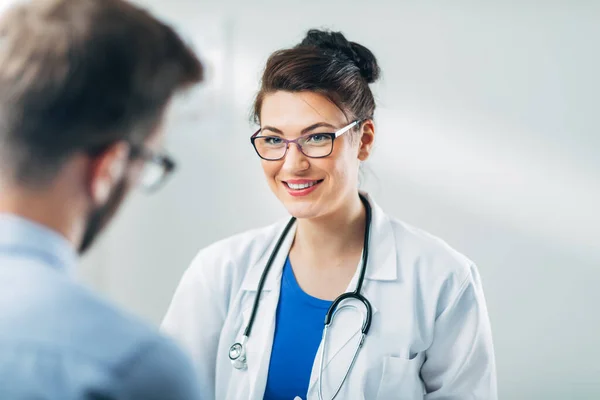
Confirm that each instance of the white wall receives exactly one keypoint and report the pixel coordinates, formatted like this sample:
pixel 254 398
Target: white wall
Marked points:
pixel 487 136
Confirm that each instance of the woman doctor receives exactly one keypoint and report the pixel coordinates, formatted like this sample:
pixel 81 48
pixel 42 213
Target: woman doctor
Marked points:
pixel 427 328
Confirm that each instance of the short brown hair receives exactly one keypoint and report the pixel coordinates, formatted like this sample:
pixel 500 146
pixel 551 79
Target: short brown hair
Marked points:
pixel 81 74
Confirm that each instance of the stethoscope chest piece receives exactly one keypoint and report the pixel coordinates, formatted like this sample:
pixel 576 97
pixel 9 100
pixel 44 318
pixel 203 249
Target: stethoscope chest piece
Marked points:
pixel 237 355
pixel 237 352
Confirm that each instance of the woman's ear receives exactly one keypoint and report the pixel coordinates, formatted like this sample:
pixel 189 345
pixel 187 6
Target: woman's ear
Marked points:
pixel 367 138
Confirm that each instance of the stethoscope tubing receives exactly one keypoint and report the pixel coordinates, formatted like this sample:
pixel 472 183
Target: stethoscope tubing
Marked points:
pixel 239 350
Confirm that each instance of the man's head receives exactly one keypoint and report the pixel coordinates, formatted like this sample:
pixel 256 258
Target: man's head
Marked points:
pixel 84 85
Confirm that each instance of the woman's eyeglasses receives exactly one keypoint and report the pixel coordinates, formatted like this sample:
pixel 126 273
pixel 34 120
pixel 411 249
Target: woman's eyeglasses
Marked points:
pixel 314 145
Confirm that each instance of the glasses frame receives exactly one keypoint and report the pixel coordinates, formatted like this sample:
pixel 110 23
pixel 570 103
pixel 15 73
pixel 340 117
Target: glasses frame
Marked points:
pixel 165 162
pixel 288 142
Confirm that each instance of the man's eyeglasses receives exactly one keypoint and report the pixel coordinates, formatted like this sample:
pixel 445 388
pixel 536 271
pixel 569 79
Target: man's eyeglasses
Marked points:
pixel 315 145
pixel 157 168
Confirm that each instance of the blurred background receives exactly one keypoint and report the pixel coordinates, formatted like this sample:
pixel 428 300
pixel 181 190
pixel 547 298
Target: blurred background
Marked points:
pixel 487 136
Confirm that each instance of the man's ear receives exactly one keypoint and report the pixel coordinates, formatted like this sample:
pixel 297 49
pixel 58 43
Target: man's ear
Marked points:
pixel 106 170
pixel 367 138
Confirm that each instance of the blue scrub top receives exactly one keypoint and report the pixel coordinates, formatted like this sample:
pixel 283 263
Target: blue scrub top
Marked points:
pixel 298 332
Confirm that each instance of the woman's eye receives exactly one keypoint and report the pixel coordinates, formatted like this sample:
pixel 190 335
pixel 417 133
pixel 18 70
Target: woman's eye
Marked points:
pixel 273 140
pixel 317 138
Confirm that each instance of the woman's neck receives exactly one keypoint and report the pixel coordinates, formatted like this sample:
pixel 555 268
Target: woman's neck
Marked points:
pixel 332 236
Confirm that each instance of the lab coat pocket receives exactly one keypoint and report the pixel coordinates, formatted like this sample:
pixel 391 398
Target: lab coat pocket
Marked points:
pixel 400 379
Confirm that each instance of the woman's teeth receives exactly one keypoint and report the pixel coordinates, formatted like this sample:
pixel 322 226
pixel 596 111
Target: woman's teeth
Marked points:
pixel 300 186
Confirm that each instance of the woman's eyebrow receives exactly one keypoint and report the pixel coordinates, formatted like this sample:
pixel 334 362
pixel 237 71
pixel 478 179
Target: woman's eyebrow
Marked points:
pixel 272 129
pixel 318 125
pixel 305 130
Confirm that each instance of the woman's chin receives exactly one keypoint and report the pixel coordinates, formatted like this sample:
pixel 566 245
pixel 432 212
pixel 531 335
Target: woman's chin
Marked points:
pixel 302 209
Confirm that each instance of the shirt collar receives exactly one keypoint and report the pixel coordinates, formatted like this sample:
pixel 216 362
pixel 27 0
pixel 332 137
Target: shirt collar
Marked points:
pixel 23 236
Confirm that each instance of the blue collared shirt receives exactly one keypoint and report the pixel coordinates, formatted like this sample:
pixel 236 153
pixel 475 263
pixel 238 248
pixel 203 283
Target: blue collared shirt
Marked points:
pixel 60 341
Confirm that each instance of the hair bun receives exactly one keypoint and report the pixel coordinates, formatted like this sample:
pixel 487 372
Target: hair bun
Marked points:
pixel 356 53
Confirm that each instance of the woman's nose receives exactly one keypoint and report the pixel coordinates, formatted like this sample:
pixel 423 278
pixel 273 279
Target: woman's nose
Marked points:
pixel 295 159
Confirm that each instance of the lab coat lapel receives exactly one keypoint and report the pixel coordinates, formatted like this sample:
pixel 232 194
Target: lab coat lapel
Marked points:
pixel 345 330
pixel 252 278
pixel 258 349
pixel 260 341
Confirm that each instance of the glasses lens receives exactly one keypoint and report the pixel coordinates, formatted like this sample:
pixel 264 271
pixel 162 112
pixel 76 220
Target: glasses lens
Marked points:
pixel 270 147
pixel 317 145
pixel 152 175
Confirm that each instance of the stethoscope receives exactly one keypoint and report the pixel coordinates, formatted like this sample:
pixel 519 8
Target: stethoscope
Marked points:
pixel 237 352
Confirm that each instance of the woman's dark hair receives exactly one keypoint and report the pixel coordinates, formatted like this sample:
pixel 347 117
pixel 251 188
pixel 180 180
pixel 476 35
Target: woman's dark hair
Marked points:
pixel 327 63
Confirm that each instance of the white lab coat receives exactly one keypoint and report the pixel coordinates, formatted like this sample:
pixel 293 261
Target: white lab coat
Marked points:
pixel 430 336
